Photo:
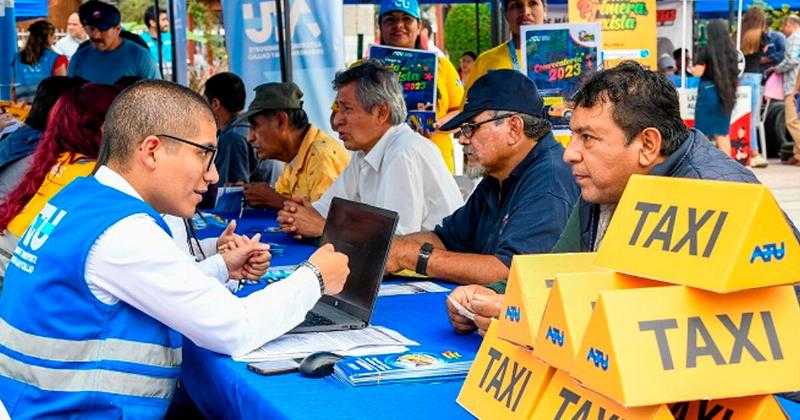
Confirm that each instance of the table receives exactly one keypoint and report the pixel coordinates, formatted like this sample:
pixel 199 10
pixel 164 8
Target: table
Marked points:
pixel 223 388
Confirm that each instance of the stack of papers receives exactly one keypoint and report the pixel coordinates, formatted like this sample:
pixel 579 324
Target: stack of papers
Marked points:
pixel 370 340
pixel 410 288
pixel 412 366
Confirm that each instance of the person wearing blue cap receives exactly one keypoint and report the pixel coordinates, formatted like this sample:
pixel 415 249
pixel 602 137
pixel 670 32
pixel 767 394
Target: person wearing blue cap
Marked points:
pixel 400 27
pixel 521 205
pixel 508 55
pixel 109 56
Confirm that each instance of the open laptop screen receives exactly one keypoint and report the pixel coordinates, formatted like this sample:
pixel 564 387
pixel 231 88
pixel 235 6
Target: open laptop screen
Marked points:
pixel 363 233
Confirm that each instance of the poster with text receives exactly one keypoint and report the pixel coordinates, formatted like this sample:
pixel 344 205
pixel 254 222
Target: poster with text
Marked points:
pixel 417 72
pixel 556 58
pixel 251 37
pixel 628 27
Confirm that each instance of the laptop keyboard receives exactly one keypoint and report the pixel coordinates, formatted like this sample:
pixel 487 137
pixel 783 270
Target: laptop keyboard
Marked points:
pixel 313 319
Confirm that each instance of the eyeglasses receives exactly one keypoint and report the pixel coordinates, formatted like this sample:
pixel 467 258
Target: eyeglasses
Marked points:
pixel 469 129
pixel 210 151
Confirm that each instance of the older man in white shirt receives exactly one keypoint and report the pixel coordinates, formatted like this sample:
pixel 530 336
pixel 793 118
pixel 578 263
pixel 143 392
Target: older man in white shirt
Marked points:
pixel 75 35
pixel 393 167
pixel 98 296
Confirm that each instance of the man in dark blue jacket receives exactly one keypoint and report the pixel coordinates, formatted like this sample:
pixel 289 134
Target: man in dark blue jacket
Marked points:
pixel 626 121
pixel 523 201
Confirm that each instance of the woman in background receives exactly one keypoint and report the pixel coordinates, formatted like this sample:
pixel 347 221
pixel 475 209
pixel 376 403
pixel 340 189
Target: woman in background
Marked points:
pixel 17 146
pixel 37 60
pixel 68 149
pixel 754 45
pixel 716 66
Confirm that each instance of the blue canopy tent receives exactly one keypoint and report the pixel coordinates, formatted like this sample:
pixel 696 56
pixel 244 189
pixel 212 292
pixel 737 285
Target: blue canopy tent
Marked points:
pixel 28 9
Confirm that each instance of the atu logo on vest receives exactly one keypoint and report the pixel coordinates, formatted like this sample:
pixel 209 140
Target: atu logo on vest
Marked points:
pixel 261 29
pixel 39 231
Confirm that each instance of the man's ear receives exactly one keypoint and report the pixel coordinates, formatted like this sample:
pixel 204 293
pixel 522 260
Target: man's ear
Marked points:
pixel 148 151
pixel 382 111
pixel 215 104
pixel 651 146
pixel 517 128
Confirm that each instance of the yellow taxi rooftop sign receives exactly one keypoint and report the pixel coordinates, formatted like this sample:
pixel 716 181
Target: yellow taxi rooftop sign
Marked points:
pixel 713 235
pixel 565 398
pixel 668 344
pixel 529 282
pixel 505 381
pixel 569 309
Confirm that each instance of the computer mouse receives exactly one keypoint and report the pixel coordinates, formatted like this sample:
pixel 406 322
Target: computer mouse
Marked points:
pixel 319 364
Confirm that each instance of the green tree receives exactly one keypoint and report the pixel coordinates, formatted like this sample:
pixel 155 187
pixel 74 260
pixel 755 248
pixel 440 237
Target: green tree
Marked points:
pixel 459 30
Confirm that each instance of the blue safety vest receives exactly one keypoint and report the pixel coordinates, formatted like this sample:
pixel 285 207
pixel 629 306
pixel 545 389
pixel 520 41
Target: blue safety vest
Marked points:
pixel 28 76
pixel 63 352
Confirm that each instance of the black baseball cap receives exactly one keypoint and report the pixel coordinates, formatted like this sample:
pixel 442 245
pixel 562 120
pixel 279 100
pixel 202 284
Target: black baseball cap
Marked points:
pixel 499 90
pixel 98 14
pixel 271 96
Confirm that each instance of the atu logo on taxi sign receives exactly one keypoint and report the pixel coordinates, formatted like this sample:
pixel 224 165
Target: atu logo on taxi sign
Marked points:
pixel 767 251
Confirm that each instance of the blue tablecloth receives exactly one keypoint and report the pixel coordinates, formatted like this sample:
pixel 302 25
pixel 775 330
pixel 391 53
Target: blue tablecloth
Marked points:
pixel 222 388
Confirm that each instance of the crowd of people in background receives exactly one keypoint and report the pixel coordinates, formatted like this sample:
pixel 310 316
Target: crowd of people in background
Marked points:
pixel 110 164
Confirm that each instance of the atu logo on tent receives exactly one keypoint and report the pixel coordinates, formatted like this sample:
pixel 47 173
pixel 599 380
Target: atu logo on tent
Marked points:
pixel 262 28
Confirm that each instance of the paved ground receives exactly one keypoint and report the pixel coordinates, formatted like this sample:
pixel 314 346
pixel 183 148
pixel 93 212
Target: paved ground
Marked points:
pixel 784 181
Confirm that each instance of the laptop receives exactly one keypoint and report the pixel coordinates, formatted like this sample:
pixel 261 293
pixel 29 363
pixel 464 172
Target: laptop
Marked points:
pixel 363 233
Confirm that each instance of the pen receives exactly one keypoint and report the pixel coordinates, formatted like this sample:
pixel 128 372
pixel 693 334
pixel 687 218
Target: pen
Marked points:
pixel 241 209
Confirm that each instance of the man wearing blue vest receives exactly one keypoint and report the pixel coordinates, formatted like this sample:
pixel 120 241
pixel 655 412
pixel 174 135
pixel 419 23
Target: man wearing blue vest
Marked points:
pixel 98 296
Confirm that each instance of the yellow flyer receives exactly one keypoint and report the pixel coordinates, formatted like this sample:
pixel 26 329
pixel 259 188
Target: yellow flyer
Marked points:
pixel 628 28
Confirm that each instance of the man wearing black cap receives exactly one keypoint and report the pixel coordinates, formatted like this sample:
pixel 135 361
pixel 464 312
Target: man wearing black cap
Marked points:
pixel 109 56
pixel 521 205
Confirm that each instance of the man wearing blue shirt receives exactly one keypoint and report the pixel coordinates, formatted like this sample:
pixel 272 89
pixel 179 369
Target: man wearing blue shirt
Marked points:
pixel 109 57
pixel 158 22
pixel 521 205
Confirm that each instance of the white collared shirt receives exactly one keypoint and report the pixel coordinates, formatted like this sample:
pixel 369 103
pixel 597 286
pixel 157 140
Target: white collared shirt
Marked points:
pixel 403 172
pixel 137 262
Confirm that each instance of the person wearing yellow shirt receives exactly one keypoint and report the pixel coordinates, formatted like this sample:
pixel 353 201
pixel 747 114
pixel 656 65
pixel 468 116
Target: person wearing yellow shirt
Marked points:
pixel 279 129
pixel 400 27
pixel 508 55
pixel 67 150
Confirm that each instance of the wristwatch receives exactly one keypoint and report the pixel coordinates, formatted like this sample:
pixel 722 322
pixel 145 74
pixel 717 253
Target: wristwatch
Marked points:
pixel 422 260
pixel 317 273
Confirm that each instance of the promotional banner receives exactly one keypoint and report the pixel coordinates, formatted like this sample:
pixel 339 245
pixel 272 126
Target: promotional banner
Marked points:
pixel 556 57
pixel 742 117
pixel 713 235
pixel 628 26
pixel 178 22
pixel 8 46
pixel 317 48
pixel 417 72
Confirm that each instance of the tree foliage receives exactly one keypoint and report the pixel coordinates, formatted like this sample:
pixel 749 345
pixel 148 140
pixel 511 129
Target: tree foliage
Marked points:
pixel 460 34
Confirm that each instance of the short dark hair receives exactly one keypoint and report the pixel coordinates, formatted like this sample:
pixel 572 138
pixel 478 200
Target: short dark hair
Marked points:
pixel 147 108
pixel 297 117
pixel 641 98
pixel 469 54
pixel 228 89
pixel 48 92
pixel 150 14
